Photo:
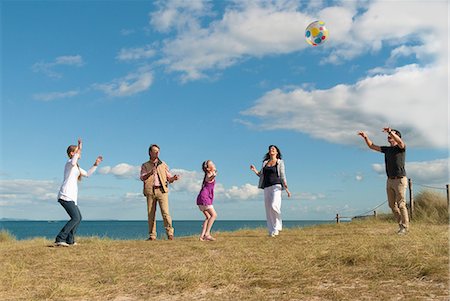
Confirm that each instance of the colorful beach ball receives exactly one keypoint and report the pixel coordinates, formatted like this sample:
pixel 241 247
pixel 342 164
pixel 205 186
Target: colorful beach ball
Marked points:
pixel 316 33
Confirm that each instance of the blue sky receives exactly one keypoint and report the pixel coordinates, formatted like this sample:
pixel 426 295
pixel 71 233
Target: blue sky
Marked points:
pixel 219 80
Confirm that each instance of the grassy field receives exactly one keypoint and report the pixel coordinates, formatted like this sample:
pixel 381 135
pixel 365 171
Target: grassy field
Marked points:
pixel 364 260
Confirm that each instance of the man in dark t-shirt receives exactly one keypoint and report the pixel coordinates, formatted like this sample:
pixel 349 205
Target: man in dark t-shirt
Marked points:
pixel 394 160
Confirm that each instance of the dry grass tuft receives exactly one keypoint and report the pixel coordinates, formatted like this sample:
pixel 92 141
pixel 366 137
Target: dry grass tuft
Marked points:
pixel 431 207
pixel 6 236
pixel 364 260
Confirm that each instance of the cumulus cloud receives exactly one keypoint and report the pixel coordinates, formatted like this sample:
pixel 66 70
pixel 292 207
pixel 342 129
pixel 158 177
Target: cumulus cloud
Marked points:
pixel 260 28
pixel 336 114
pixel 122 170
pixel 12 192
pixel 48 67
pixel 55 95
pixel 243 192
pixel 133 83
pixel 190 181
pixel 246 29
pixel 435 172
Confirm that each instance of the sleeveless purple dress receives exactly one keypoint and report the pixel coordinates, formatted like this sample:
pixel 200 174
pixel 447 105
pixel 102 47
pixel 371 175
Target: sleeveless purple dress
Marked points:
pixel 206 195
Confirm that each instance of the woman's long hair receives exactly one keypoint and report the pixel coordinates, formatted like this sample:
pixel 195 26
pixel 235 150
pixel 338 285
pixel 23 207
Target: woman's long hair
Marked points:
pixel 267 156
pixel 71 149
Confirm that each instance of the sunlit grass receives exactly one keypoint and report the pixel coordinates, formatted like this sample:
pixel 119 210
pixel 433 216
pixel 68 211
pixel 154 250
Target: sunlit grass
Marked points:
pixel 364 260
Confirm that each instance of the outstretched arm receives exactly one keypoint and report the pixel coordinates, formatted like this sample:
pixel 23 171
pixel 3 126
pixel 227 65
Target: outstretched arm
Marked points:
pixel 93 168
pixel 80 146
pixel 369 142
pixel 396 137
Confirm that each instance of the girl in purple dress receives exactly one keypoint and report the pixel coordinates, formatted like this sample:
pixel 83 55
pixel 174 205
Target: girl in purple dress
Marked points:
pixel 205 199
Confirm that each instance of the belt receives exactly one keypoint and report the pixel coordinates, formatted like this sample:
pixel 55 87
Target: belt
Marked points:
pixel 398 177
pixel 156 187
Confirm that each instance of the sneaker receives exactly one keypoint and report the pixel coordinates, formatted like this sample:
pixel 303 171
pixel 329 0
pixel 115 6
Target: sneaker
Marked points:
pixel 274 233
pixel 62 244
pixel 401 231
pixel 151 238
pixel 74 244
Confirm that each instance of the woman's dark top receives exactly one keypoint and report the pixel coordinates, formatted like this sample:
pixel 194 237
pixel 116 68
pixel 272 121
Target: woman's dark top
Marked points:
pixel 271 176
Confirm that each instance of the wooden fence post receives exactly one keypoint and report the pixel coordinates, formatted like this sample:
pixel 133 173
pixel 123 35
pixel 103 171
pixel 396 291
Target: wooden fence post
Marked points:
pixel 448 199
pixel 411 199
pixel 337 218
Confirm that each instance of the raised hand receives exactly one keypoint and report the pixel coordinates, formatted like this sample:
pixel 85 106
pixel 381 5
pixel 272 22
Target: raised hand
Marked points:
pixel 98 160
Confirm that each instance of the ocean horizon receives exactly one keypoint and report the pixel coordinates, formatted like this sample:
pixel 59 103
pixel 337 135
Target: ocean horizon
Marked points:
pixel 135 229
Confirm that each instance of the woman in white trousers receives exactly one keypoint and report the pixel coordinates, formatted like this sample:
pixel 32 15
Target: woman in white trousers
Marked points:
pixel 272 178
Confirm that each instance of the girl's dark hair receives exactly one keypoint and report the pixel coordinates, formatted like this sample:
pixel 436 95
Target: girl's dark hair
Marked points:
pixel 267 156
pixel 204 168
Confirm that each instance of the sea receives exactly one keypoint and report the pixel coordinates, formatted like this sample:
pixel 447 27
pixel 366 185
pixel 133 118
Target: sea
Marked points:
pixel 134 230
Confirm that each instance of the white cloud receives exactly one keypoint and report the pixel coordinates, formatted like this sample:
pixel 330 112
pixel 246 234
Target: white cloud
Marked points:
pixel 411 98
pixel 243 192
pixel 134 196
pixel 261 28
pixel 131 84
pixel 48 67
pixel 419 111
pixel 55 95
pixel 127 54
pixel 122 170
pixel 190 181
pixel 179 15
pixel 246 29
pixel 23 191
pixel 435 172
pixel 69 60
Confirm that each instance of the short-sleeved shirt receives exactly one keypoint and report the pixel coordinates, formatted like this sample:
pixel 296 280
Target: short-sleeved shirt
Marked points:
pixel 394 160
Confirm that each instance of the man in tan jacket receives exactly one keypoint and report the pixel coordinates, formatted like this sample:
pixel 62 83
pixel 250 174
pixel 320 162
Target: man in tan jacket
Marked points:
pixel 156 177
